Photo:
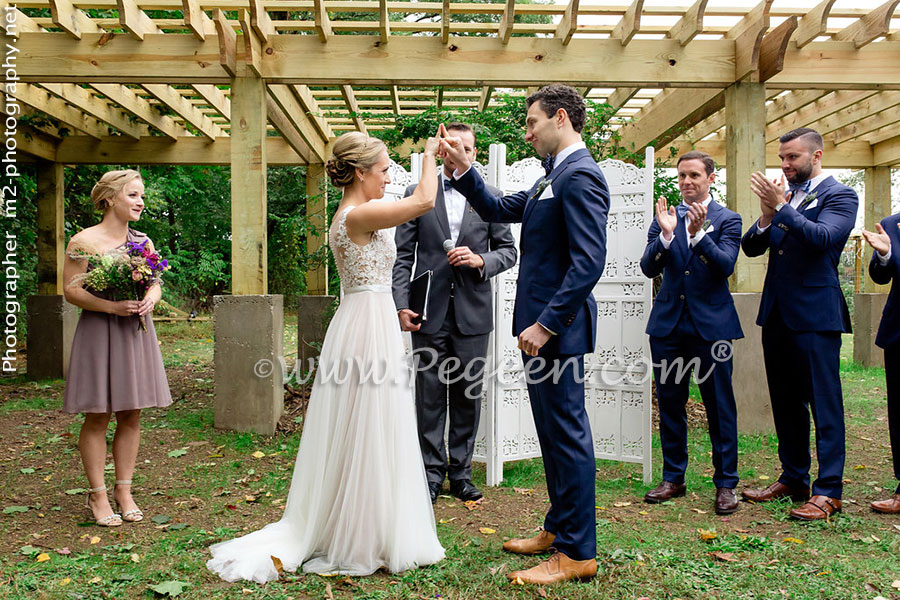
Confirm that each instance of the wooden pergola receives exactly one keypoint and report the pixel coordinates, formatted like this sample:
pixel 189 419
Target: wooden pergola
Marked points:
pixel 252 83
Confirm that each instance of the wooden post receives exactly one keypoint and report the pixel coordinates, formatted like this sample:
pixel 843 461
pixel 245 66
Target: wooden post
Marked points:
pixel 745 153
pixel 248 186
pixel 50 225
pixel 317 231
pixel 877 206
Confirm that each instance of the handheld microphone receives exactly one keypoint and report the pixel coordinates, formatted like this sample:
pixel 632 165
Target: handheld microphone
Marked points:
pixel 457 276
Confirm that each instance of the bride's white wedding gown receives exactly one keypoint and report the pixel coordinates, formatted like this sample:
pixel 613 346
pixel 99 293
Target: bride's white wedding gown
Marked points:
pixel 359 499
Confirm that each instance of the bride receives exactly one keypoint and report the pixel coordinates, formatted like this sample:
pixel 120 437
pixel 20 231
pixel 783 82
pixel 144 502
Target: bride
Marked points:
pixel 358 499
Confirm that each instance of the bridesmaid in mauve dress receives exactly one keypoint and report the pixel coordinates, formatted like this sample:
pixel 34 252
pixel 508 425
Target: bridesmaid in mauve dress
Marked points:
pixel 115 367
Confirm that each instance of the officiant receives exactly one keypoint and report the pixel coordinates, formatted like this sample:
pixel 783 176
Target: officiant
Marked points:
pixel 464 253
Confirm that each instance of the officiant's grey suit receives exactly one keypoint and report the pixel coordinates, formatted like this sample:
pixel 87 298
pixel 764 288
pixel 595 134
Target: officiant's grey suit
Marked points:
pixel 460 319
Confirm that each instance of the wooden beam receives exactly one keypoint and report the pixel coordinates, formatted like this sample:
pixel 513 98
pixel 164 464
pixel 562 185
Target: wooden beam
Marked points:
pixel 872 123
pixel 813 24
pixel 748 36
pixel 323 23
pixel 317 217
pixel 21 23
pixel 870 27
pixel 140 108
pixel 445 22
pixel 135 20
pixel 353 107
pixel 196 20
pixel 852 155
pixel 53 107
pixel 690 24
pixel 506 21
pixel 820 64
pixel 883 134
pixel 622 95
pixel 821 108
pixel 485 99
pixel 51 220
pixel 887 152
pixel 33 144
pixel 227 40
pixel 440 98
pixel 876 203
pixel 215 98
pixel 295 116
pixel 773 48
pixel 629 24
pixel 286 128
pixel 384 22
pixel 395 100
pixel 261 22
pixel 71 20
pixel 715 122
pixel 252 56
pixel 669 114
pixel 175 101
pixel 870 114
pixel 569 22
pixel 90 104
pixel 312 110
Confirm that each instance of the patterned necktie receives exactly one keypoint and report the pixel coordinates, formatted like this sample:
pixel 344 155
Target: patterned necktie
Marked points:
pixel 547 163
pixel 799 187
pixel 681 209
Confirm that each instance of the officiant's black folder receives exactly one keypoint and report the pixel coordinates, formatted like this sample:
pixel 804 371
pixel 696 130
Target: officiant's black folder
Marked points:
pixel 419 289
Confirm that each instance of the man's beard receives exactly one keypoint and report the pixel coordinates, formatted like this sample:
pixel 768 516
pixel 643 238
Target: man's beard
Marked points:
pixel 802 174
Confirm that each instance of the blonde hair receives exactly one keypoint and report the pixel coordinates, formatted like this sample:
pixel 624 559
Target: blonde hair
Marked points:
pixel 353 150
pixel 110 184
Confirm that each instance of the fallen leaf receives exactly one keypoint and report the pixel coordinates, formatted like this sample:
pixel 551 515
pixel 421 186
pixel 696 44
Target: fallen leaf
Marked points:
pixel 470 504
pixel 135 558
pixel 523 491
pixel 28 472
pixel 76 491
pixel 542 592
pixel 96 580
pixel 249 498
pixel 279 566
pixel 43 557
pixel 859 467
pixel 329 595
pixel 622 504
pixel 169 588
pixel 896 584
pixel 495 570
pixel 792 540
pixel 643 512
pixel 64 551
pixel 161 519
pixel 871 588
pixel 65 581
pixel 95 540
pixel 877 539
pixel 725 556
pixel 518 581
pixel 14 509
pixel 763 477
pixel 176 454
pixel 445 521
pixel 487 530
pixel 706 534
pixel 29 550
pixel 698 511
pixel 258 454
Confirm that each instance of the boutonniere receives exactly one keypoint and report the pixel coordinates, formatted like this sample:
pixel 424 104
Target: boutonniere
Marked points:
pixel 541 187
pixel 807 201
pixel 706 225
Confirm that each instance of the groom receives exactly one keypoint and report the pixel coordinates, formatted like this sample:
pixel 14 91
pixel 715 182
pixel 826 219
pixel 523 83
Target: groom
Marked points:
pixel 563 251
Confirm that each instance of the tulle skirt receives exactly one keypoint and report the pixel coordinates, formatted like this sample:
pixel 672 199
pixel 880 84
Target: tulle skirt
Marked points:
pixel 359 499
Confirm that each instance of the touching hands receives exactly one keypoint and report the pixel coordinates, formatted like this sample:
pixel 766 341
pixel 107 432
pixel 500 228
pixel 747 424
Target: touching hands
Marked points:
pixel 462 256
pixel 452 147
pixel 696 216
pixel 771 194
pixel 146 305
pixel 879 239
pixel 126 308
pixel 666 218
pixel 406 316
pixel 433 144
pixel 532 339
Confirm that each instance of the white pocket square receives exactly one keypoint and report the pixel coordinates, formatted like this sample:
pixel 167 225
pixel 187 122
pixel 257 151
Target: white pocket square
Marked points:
pixel 710 228
pixel 812 204
pixel 547 193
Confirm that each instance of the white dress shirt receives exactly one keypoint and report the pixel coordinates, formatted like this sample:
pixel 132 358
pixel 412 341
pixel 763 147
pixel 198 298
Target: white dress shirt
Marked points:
pixel 692 241
pixel 455 203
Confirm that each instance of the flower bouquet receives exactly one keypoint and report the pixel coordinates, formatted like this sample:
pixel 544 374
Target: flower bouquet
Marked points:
pixel 122 274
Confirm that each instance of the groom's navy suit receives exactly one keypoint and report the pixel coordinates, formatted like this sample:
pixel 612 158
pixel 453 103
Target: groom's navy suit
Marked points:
pixel 562 253
pixel 802 313
pixel 889 331
pixel 692 313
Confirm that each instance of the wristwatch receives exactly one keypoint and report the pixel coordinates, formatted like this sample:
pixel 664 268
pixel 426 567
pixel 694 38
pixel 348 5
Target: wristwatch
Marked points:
pixel 780 205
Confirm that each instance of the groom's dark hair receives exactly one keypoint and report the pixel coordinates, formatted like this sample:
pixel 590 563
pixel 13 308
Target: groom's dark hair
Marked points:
pixel 556 96
pixel 460 127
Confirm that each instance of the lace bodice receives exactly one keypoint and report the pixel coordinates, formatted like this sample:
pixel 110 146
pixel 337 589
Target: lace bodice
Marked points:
pixel 357 265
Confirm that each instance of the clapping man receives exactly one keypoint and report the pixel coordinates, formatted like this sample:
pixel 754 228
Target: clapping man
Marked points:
pixel 460 320
pixel 885 268
pixel 692 325
pixel 803 313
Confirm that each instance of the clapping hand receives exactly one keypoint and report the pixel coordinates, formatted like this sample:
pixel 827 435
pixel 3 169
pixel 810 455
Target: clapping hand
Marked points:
pixel 879 240
pixel 771 194
pixel 666 218
pixel 696 218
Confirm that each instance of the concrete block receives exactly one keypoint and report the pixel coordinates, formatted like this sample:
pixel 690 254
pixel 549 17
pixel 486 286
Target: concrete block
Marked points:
pixel 867 309
pixel 751 391
pixel 248 360
pixel 313 315
pixel 51 323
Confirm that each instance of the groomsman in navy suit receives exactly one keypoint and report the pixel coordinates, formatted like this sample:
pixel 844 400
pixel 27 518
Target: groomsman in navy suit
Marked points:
pixel 692 325
pixel 563 252
pixel 884 269
pixel 803 313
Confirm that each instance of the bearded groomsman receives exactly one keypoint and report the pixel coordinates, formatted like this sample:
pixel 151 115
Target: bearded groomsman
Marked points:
pixel 803 313
pixel 884 269
pixel 692 324
pixel 459 324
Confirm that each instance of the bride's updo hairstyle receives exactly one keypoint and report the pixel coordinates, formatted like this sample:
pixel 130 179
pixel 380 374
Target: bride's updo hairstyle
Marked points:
pixel 353 150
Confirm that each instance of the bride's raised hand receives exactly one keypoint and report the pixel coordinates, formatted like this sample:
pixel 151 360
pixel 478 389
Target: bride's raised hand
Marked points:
pixel 432 145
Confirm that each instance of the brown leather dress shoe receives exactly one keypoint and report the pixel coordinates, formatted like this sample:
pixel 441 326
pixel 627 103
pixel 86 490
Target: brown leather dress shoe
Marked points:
pixel 891 506
pixel 666 490
pixel 726 501
pixel 775 491
pixel 556 569
pixel 536 545
pixel 817 508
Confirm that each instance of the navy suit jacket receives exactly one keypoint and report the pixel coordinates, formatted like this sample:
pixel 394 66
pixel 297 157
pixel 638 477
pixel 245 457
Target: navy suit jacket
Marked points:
pixel 562 250
pixel 696 277
pixel 804 249
pixel 889 329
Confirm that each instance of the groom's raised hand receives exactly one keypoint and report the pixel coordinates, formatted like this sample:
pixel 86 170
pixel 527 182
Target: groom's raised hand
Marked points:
pixel 452 148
